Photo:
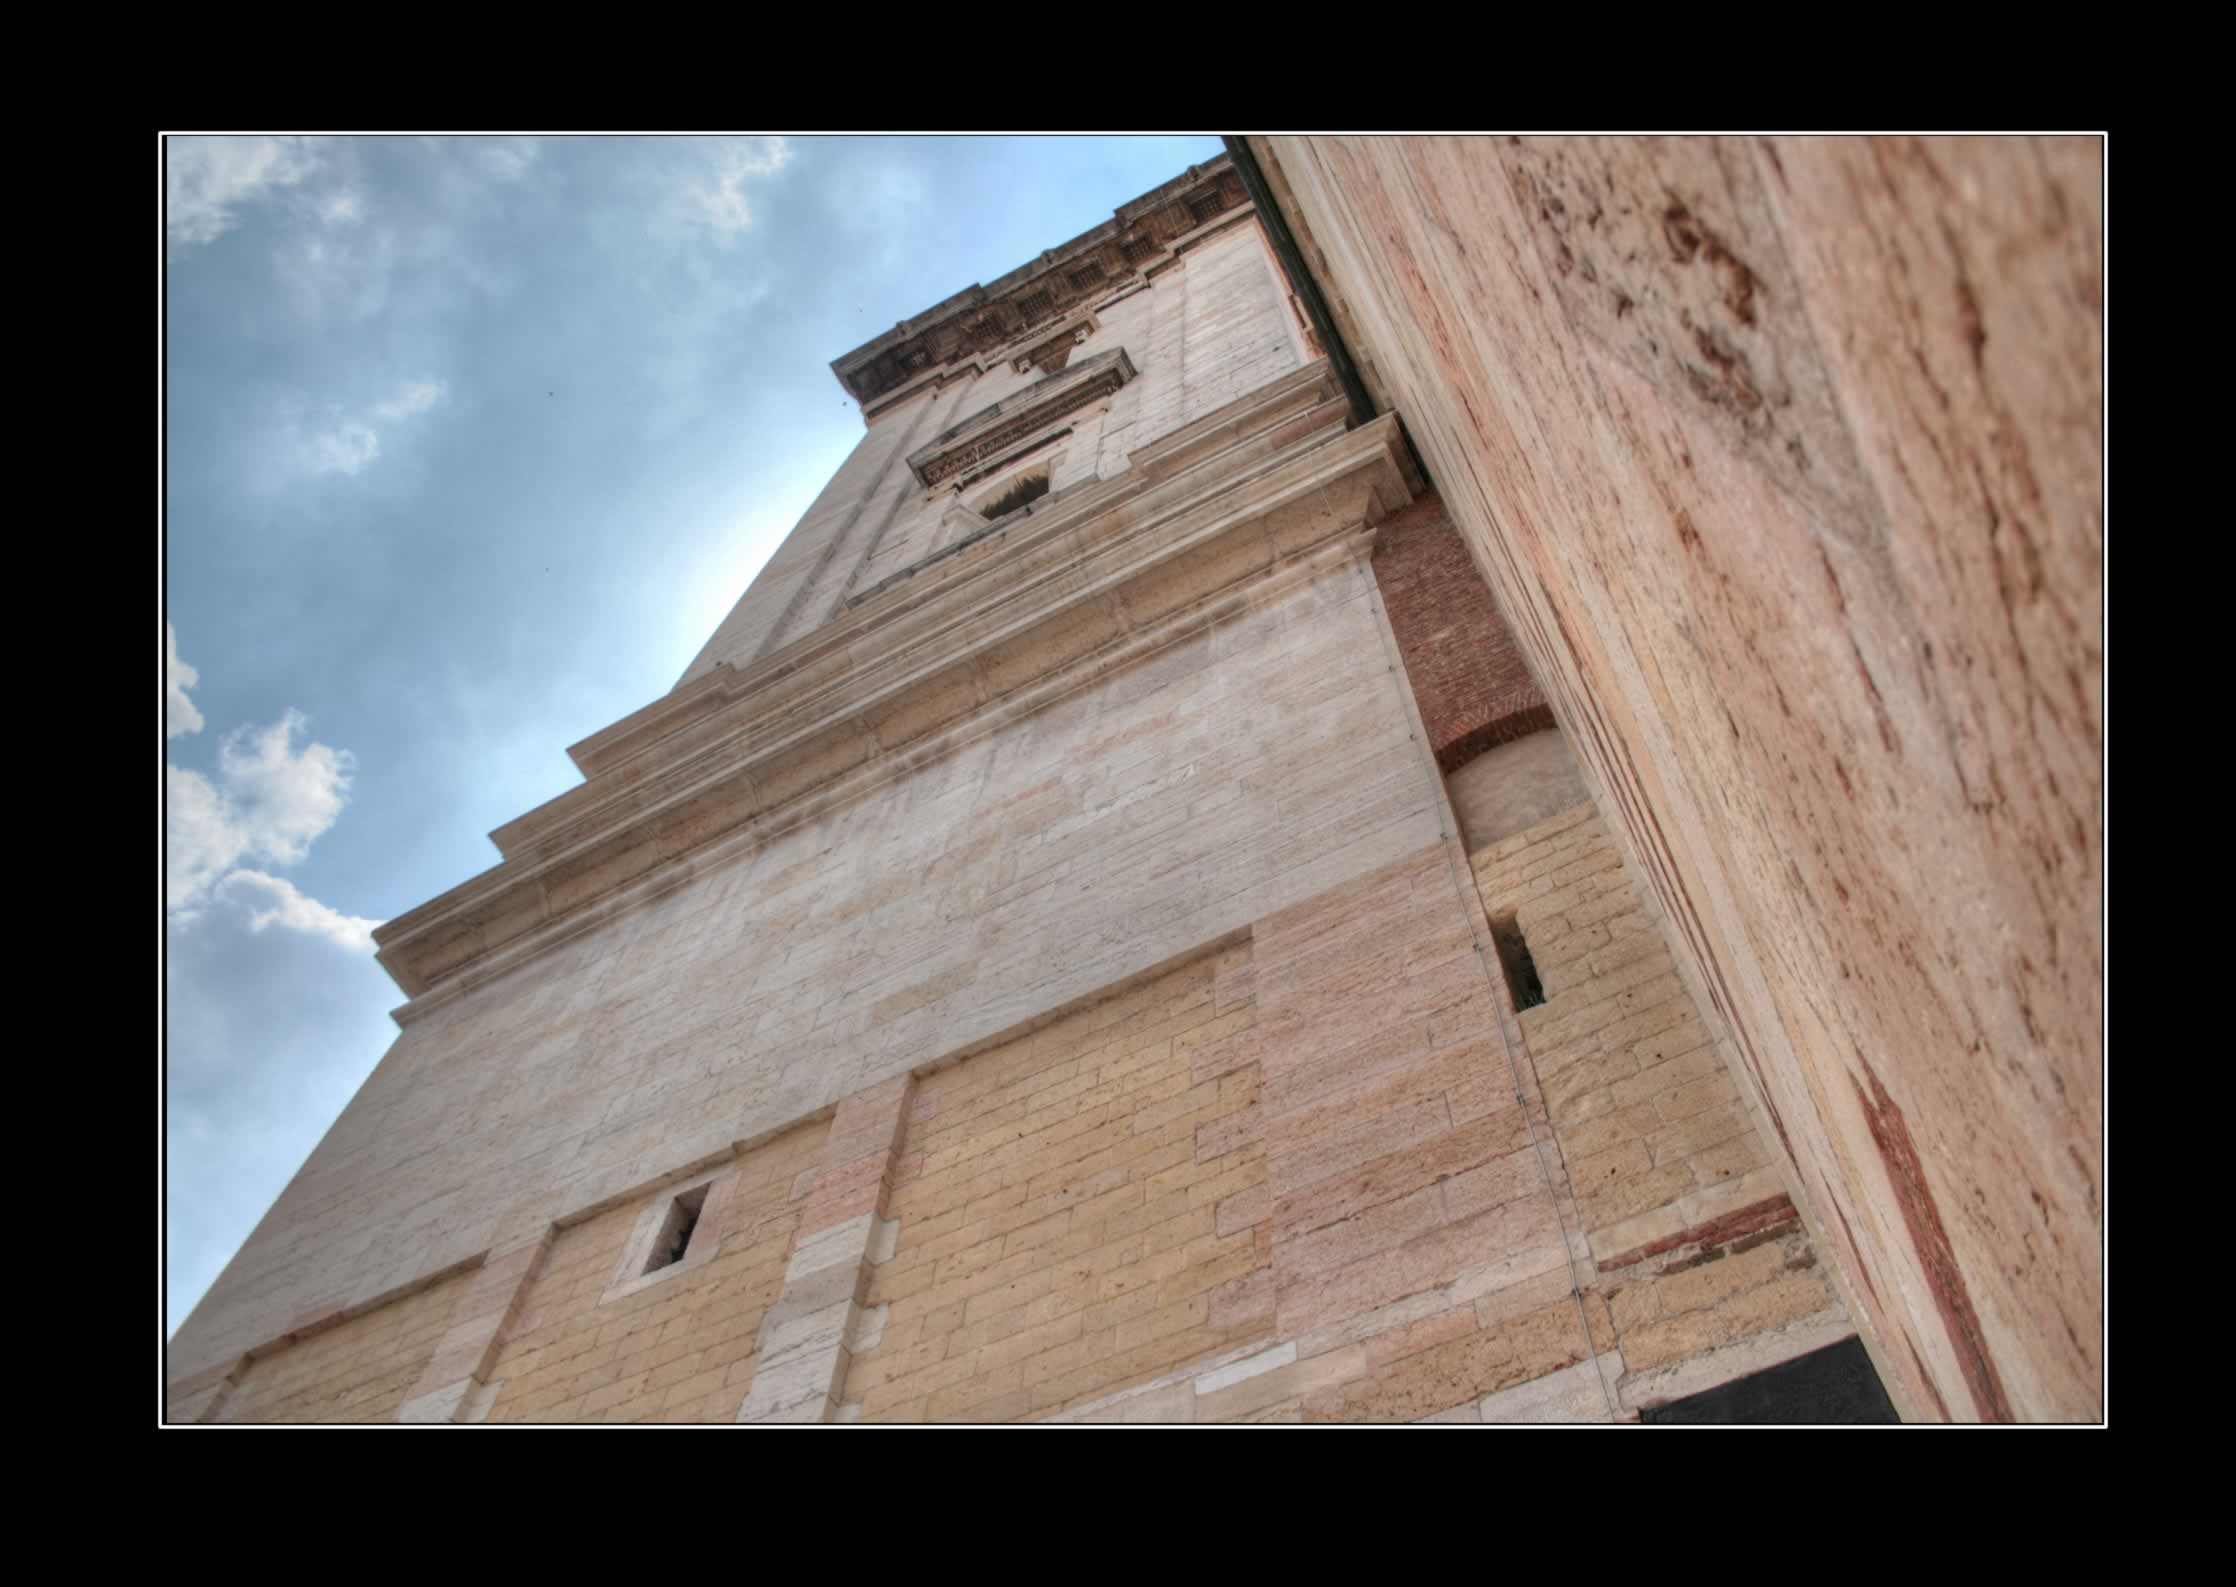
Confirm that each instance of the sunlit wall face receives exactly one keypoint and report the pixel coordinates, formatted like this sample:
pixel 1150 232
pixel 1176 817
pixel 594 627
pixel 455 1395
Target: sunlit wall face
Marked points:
pixel 471 443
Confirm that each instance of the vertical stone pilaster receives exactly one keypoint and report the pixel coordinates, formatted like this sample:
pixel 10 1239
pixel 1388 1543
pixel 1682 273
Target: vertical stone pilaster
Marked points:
pixel 808 1336
pixel 477 1328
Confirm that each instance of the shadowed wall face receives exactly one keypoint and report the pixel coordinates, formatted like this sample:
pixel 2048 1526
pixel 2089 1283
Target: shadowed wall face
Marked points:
pixel 1781 459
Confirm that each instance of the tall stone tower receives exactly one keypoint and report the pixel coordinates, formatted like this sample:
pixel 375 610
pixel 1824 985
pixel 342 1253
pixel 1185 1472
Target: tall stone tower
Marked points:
pixel 1107 929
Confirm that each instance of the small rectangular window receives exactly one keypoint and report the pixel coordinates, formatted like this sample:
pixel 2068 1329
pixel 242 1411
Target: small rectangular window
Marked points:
pixel 1514 958
pixel 676 1230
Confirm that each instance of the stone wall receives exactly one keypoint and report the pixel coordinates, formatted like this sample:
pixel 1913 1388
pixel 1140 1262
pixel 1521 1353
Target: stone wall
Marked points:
pixel 598 1341
pixel 1318 1173
pixel 1512 787
pixel 1783 458
pixel 1291 1181
pixel 1246 768
pixel 362 1369
pixel 1076 1210
pixel 1692 1241
pixel 1212 328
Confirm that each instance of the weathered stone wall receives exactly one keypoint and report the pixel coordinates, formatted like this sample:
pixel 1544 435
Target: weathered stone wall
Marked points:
pixel 1213 327
pixel 1291 1181
pixel 1468 676
pixel 1693 1243
pixel 360 1370
pixel 591 1344
pixel 1782 458
pixel 1075 1210
pixel 1512 787
pixel 1318 1174
pixel 1244 769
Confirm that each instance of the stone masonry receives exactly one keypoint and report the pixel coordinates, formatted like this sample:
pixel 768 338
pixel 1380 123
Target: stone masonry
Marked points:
pixel 1783 458
pixel 1034 966
pixel 1691 1238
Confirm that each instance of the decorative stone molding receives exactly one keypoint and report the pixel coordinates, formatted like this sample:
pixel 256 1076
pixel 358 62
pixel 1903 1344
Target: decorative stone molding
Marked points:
pixel 1016 419
pixel 981 321
pixel 1051 346
pixel 1003 623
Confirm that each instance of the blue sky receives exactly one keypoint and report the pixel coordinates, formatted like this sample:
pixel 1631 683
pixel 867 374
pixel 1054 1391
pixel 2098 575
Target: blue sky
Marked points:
pixel 471 442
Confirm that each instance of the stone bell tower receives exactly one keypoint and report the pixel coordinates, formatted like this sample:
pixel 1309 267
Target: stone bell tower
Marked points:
pixel 1108 928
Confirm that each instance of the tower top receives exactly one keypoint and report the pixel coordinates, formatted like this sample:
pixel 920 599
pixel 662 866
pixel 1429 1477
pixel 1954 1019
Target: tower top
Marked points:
pixel 1139 239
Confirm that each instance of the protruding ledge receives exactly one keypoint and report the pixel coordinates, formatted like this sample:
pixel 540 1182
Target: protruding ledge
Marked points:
pixel 982 320
pixel 905 676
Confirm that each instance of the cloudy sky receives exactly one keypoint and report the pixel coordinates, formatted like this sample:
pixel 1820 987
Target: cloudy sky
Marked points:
pixel 471 443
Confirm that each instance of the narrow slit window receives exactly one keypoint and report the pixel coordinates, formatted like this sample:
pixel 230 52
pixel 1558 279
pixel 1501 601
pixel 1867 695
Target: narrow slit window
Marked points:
pixel 1514 958
pixel 676 1230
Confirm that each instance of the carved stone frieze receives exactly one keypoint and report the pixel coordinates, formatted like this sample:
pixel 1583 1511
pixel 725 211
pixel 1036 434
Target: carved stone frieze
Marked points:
pixel 978 323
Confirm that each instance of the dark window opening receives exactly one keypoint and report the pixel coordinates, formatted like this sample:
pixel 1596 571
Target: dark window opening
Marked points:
pixel 1520 968
pixel 676 1229
pixel 1029 489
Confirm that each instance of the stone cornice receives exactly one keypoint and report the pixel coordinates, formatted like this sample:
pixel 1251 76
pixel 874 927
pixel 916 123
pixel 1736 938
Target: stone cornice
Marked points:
pixel 1004 424
pixel 975 323
pixel 1026 613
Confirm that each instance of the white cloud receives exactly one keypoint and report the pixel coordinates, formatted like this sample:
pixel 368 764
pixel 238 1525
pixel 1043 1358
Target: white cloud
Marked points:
pixel 179 714
pixel 348 444
pixel 208 181
pixel 345 208
pixel 287 906
pixel 200 839
pixel 286 797
pixel 413 399
pixel 720 203
pixel 345 447
pixel 269 802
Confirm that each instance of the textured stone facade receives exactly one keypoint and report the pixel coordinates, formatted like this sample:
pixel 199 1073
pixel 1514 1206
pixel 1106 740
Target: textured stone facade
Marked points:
pixel 1693 1243
pixel 1209 329
pixel 1782 457
pixel 1035 966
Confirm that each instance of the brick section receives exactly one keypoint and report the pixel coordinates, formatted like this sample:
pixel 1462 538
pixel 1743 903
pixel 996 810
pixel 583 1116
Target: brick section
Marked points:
pixel 1077 1210
pixel 1696 1248
pixel 1714 1235
pixel 361 1370
pixel 678 1349
pixel 1467 673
